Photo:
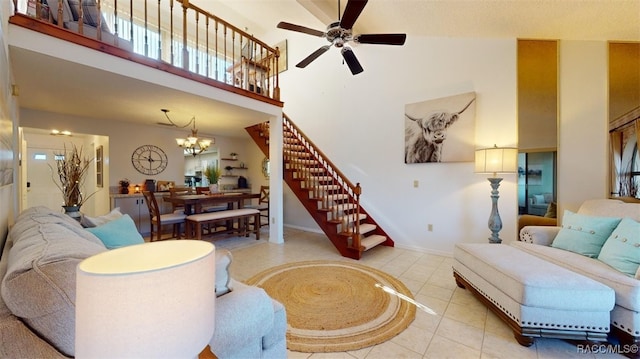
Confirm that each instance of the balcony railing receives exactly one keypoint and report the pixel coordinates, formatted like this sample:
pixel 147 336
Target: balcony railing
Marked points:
pixel 173 34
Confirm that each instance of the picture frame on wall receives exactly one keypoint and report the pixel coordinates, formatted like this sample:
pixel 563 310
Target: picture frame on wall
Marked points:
pixel 440 130
pixel 99 166
pixel 283 59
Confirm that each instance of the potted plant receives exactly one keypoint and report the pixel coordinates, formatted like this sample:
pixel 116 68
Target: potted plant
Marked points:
pixel 234 156
pixel 71 168
pixel 212 172
pixel 228 168
pixel 124 186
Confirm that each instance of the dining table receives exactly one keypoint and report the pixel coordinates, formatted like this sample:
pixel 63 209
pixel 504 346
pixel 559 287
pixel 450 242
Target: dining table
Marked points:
pixel 193 203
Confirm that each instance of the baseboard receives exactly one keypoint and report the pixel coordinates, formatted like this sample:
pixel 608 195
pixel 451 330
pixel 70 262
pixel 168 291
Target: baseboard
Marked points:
pixel 306 229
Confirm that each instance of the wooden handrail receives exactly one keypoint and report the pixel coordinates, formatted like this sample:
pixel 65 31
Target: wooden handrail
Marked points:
pixel 258 76
pixel 346 187
pixel 340 174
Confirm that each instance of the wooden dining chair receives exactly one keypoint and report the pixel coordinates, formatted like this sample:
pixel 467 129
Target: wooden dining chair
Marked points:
pixel 262 206
pixel 179 191
pixel 158 220
pixel 215 208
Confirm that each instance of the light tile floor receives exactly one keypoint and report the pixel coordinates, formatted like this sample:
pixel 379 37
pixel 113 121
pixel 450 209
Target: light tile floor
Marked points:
pixel 463 328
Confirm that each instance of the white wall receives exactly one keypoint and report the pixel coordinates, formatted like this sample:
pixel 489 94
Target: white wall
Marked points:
pixel 358 121
pixel 124 138
pixel 8 126
pixel 582 152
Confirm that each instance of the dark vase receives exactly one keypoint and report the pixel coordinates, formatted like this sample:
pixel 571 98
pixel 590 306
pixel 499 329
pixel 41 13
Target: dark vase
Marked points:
pixel 124 190
pixel 73 212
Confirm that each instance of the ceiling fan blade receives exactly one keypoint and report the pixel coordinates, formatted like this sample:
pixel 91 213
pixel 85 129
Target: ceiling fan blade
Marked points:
pixel 298 28
pixel 351 13
pixel 381 39
pixel 351 60
pixel 313 56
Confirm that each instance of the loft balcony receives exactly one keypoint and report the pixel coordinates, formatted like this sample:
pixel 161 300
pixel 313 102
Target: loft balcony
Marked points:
pixel 174 36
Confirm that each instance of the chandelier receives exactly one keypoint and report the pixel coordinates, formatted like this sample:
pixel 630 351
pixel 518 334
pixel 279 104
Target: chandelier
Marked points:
pixel 192 144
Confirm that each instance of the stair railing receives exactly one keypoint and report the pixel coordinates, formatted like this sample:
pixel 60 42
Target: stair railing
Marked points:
pixel 204 44
pixel 343 203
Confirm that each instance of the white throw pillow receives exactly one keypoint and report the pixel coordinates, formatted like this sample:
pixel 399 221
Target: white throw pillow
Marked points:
pixel 538 198
pixel 89 222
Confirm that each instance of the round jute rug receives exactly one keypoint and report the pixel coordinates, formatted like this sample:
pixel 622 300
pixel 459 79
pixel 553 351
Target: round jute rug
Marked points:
pixel 337 306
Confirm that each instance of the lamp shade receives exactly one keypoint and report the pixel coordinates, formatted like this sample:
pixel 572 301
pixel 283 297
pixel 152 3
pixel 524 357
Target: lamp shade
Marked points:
pixel 152 300
pixel 496 160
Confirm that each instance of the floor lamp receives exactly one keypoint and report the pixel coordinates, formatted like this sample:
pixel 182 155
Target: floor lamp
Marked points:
pixel 151 300
pixel 496 160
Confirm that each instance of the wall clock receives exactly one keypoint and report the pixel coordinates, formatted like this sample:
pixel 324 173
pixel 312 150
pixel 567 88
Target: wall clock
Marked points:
pixel 149 159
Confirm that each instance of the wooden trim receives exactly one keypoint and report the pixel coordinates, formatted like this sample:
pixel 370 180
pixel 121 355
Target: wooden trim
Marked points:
pixel 625 119
pixel 47 28
pixel 206 353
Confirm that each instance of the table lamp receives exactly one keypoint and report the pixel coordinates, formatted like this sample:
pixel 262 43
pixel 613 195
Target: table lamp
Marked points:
pixel 496 160
pixel 152 300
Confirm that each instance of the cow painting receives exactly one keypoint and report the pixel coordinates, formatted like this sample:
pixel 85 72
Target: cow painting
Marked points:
pixel 426 135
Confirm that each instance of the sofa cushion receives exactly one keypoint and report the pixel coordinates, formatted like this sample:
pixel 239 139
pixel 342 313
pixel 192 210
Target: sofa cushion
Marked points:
pixel 610 208
pixel 622 248
pixel 532 281
pixel 627 289
pixel 88 221
pixel 552 210
pixel 46 248
pixel 584 234
pixel 66 11
pixel 118 233
pixel 223 279
pixel 90 13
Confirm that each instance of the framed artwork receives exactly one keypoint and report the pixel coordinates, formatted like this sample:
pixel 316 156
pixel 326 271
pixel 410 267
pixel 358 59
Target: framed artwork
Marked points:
pixel 440 130
pixel 534 175
pixel 99 166
pixel 6 136
pixel 282 60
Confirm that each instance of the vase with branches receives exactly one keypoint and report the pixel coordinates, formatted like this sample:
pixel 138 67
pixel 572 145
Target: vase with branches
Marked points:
pixel 71 169
pixel 212 172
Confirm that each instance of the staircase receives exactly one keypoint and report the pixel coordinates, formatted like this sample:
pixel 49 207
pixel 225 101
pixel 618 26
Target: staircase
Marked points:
pixel 329 197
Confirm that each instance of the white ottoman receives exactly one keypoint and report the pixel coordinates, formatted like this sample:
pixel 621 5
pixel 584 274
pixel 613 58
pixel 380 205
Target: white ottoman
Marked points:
pixel 535 297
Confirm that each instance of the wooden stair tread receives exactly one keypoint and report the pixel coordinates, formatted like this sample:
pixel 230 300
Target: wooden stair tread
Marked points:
pixel 367 227
pixel 372 241
pixel 309 176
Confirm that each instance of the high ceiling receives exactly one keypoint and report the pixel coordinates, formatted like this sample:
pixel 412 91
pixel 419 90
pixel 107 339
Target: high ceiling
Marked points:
pixel 531 19
pixel 538 19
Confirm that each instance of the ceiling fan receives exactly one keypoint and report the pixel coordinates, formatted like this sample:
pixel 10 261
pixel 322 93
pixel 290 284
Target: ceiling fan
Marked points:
pixel 339 34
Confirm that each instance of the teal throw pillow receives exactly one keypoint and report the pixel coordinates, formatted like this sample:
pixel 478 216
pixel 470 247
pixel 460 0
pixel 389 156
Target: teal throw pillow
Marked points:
pixel 622 248
pixel 584 234
pixel 117 233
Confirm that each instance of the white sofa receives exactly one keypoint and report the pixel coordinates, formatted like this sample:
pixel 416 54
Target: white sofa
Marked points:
pixel 625 316
pixel 509 278
pixel 539 203
pixel 37 306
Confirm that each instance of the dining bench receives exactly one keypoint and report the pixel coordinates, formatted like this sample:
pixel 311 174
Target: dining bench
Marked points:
pixel 196 222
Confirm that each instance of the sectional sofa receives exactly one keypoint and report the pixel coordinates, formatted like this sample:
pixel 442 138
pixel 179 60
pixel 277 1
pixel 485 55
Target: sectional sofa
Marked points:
pixel 37 305
pixel 577 281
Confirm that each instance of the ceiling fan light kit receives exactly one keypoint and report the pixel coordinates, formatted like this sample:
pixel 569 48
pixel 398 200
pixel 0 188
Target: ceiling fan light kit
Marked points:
pixel 339 33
